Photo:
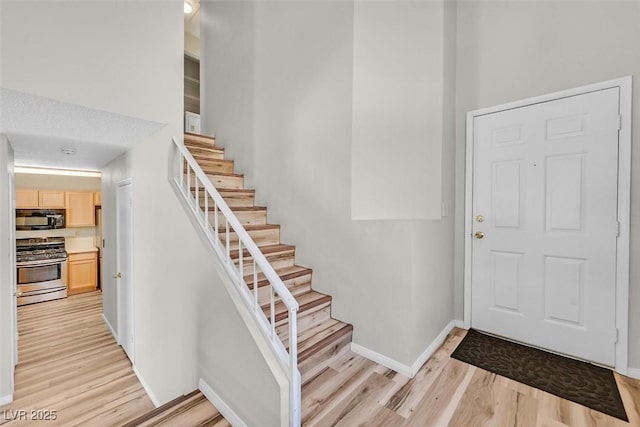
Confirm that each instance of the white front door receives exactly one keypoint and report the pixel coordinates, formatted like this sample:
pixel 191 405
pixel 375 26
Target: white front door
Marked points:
pixel 545 224
pixel 124 277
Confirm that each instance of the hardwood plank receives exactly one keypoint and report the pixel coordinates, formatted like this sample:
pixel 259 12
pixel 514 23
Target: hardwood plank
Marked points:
pixel 70 363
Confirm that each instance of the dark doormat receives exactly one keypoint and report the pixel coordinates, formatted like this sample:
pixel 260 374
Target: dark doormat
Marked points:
pixel 580 382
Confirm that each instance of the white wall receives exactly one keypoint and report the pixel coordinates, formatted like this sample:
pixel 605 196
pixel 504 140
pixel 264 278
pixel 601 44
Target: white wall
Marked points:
pixel 105 54
pixel 514 50
pixel 7 249
pixel 396 143
pixel 278 94
pixel 127 58
pixel 186 326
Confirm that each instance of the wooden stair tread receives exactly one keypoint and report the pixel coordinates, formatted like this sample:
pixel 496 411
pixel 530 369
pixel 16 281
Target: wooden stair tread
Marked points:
pixel 207 147
pixel 199 137
pixel 237 190
pixel 324 334
pixel 285 273
pixel 307 302
pixel 248 208
pixel 208 161
pixel 204 153
pixel 255 227
pixel 266 250
pixel 235 175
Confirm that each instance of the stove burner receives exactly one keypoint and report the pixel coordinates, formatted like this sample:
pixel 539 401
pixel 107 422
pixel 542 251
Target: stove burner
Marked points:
pixel 39 249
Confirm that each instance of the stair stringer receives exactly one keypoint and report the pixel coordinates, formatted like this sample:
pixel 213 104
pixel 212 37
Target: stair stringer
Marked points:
pixel 257 333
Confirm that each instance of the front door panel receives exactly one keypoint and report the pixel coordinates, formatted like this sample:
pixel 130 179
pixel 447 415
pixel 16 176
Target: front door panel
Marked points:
pixel 545 199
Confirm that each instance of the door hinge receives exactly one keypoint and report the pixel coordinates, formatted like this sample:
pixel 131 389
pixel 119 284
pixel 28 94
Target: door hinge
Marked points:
pixel 617 228
pixel 617 335
pixel 619 122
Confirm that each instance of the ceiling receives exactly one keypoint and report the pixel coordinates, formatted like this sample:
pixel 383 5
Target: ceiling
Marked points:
pixel 192 20
pixel 39 128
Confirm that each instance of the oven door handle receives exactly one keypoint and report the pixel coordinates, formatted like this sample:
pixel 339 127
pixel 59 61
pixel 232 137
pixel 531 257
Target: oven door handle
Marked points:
pixel 42 263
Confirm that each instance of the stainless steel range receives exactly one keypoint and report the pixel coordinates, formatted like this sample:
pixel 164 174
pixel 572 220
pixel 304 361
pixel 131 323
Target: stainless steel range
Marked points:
pixel 41 265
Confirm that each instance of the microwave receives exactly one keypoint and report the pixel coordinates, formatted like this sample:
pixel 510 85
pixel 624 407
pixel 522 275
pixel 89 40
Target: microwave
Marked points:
pixel 40 219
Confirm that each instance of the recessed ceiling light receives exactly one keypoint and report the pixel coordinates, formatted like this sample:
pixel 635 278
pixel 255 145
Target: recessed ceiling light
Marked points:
pixel 69 151
pixel 188 6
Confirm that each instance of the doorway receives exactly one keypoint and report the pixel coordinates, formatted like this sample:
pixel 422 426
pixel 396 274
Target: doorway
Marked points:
pixel 547 221
pixel 124 276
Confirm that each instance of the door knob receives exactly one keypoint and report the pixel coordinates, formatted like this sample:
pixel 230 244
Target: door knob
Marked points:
pixel 118 276
pixel 479 234
pixel 18 294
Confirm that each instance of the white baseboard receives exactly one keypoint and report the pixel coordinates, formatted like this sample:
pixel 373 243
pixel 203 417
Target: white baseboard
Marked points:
pixel 152 396
pixel 113 332
pixel 459 324
pixel 428 352
pixel 381 359
pixel 634 373
pixel 5 400
pixel 226 411
pixel 409 371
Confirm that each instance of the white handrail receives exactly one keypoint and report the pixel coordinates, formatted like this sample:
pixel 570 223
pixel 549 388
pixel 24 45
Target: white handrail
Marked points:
pixel 287 357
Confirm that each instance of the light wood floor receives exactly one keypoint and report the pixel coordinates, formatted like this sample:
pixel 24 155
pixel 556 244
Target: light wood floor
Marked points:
pixel 69 363
pixel 446 392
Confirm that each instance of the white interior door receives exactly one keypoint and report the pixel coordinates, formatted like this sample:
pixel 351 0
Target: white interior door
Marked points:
pixel 545 224
pixel 124 277
pixel 12 276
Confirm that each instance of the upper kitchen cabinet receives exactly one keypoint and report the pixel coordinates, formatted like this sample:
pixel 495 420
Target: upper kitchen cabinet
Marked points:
pixel 51 199
pixel 80 209
pixel 34 199
pixel 26 199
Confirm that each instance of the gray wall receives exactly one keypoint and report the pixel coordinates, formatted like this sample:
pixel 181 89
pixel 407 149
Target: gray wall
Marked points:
pixel 513 50
pixel 278 94
pixel 7 279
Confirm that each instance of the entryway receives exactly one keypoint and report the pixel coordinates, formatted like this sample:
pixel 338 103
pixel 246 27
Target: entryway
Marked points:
pixel 547 221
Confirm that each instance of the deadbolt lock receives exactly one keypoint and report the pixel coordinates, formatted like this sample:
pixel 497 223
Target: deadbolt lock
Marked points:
pixel 479 218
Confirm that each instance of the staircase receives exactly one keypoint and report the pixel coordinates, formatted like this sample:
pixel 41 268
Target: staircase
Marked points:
pixel 192 409
pixel 320 338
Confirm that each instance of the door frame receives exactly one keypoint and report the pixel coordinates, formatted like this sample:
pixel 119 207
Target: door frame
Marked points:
pixel 624 201
pixel 119 308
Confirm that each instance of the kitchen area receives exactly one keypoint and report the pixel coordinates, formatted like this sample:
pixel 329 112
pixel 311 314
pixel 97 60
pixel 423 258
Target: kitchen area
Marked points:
pixel 58 234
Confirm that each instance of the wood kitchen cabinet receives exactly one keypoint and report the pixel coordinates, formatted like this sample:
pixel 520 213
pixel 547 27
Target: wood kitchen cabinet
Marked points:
pixel 51 199
pixel 82 271
pixel 97 198
pixel 27 198
pixel 80 209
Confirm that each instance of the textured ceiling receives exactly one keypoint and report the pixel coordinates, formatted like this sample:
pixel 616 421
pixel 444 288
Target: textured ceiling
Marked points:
pixel 38 128
pixel 192 20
